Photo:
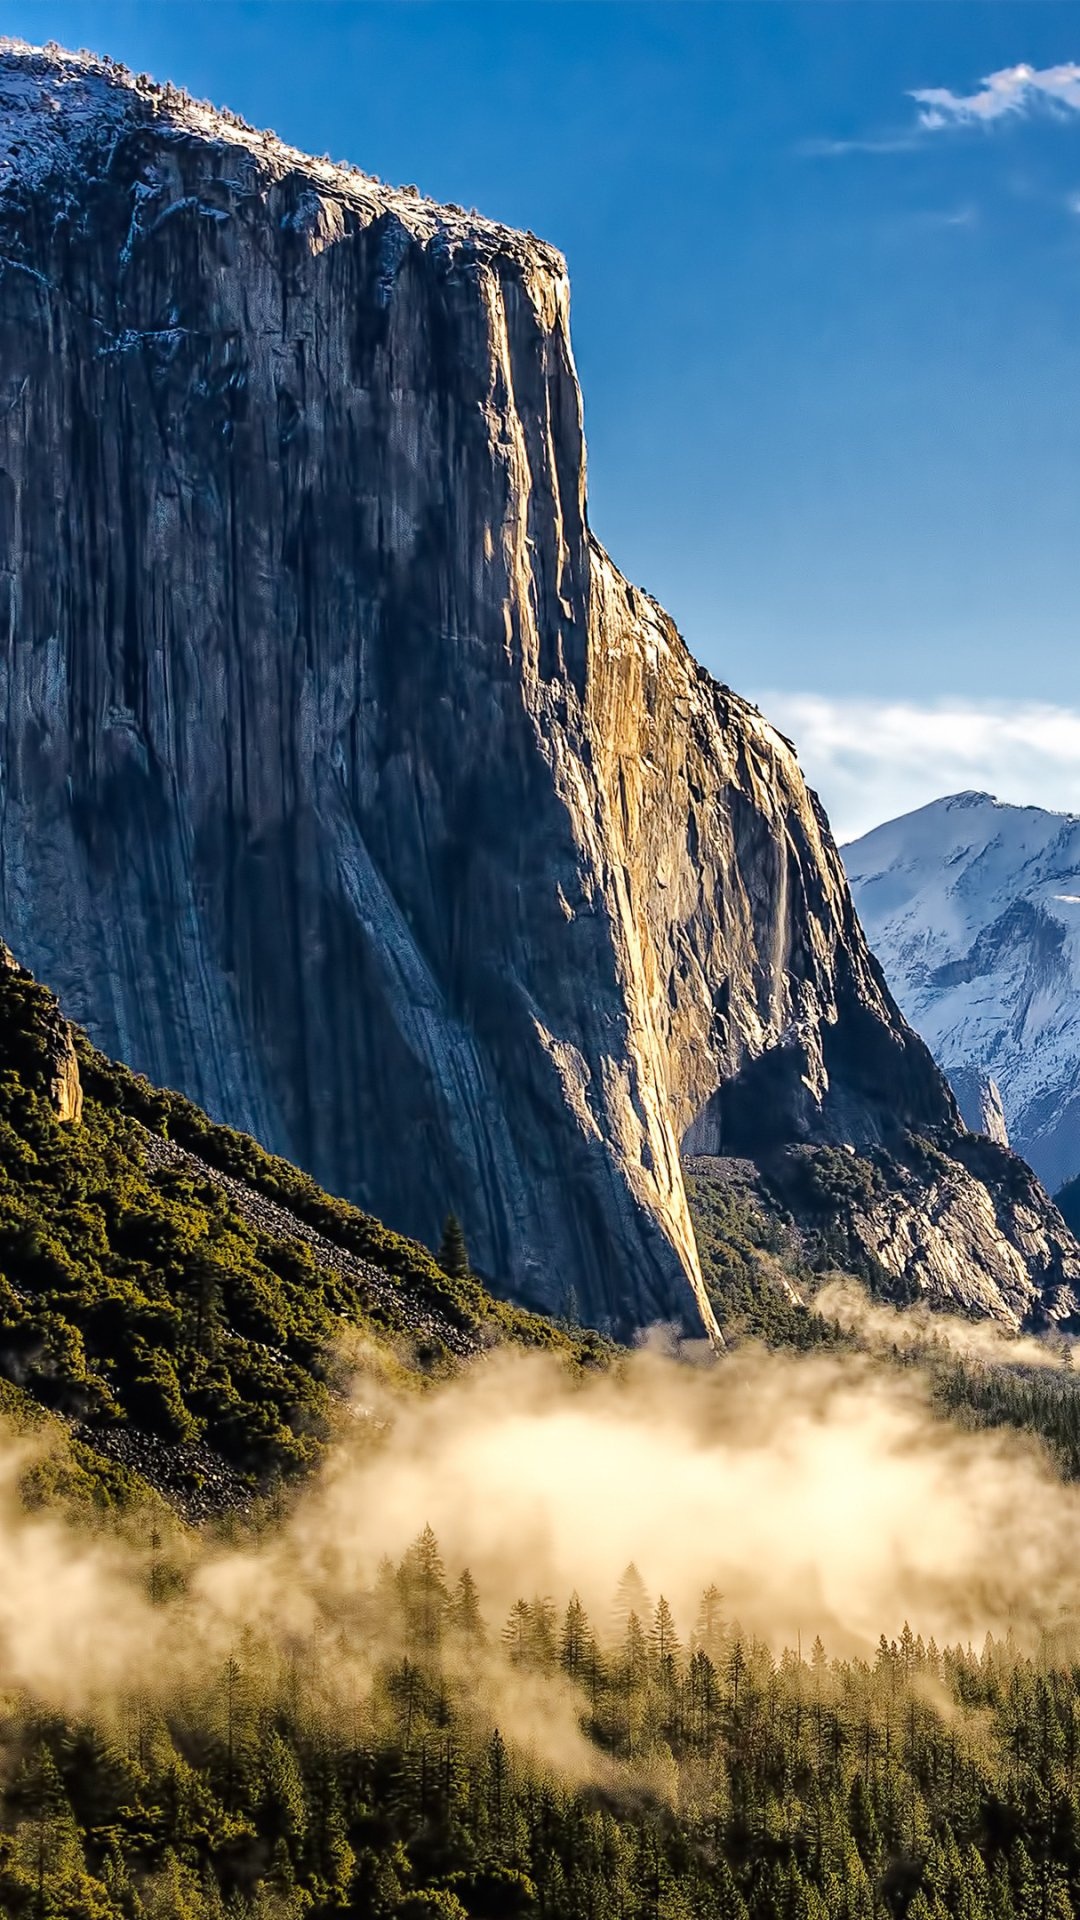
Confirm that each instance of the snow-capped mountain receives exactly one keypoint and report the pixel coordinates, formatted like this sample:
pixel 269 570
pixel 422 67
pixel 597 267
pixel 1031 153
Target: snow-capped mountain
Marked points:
pixel 973 909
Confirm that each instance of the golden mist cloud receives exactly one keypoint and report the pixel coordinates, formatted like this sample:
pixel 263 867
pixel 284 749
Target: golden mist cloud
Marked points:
pixel 821 1493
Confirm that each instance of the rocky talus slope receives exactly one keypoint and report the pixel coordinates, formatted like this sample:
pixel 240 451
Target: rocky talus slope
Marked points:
pixel 413 1317
pixel 346 784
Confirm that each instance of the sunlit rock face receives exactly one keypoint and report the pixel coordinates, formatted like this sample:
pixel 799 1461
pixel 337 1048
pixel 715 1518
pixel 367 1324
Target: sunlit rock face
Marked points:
pixel 346 783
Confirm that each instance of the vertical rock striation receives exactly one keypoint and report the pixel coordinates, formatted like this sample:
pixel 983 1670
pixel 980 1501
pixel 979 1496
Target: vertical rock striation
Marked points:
pixel 345 783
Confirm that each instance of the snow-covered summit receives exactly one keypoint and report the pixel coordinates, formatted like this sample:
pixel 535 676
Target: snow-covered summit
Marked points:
pixel 62 113
pixel 973 908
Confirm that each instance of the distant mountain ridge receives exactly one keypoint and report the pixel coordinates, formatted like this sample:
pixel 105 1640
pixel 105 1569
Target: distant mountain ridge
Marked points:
pixel 973 908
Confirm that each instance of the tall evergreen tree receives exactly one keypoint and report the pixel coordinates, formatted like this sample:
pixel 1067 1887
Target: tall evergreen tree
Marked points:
pixel 453 1256
pixel 631 1596
pixel 465 1609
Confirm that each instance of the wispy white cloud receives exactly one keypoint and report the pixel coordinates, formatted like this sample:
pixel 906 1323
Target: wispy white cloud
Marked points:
pixel 873 759
pixel 833 149
pixel 1010 91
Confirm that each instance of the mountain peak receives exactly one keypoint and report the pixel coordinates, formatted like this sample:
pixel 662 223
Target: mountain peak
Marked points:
pixel 968 797
pixel 972 905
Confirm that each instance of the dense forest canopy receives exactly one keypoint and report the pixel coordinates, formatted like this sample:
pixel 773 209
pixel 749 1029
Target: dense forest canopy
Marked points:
pixel 714 1778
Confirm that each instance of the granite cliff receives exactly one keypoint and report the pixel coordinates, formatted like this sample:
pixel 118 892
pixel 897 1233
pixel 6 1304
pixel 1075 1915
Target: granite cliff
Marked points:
pixel 346 785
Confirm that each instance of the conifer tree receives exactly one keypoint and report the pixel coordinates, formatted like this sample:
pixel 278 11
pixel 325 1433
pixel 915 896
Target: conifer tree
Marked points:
pixel 727 1901
pixel 425 1599
pixel 709 1633
pixel 453 1256
pixel 283 1810
pixel 543 1634
pixel 515 1634
pixel 663 1639
pixel 635 1653
pixel 465 1609
pixel 631 1596
pixel 576 1644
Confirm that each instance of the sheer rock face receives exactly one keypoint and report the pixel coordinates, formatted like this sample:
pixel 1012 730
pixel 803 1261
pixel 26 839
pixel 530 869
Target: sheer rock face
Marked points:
pixel 346 784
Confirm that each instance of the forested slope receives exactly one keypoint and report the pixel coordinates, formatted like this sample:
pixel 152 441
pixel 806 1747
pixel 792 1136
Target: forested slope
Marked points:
pixel 166 1284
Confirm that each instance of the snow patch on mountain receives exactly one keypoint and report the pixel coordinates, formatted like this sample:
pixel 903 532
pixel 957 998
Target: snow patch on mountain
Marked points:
pixel 973 908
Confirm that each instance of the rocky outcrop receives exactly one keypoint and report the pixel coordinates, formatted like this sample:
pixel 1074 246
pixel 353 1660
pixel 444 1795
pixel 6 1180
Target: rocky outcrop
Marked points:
pixel 973 1230
pixel 345 782
pixel 970 1230
pixel 978 1097
pixel 64 1086
pixel 36 1041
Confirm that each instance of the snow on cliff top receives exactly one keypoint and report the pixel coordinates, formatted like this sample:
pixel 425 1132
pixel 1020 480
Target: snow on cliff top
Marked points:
pixel 61 112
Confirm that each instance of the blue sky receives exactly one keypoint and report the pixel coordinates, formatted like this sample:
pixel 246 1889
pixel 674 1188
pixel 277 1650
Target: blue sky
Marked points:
pixel 830 352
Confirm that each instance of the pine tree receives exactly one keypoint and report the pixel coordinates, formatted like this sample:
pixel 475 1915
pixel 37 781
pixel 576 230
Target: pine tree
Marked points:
pixel 631 1597
pixel 283 1813
pixel 862 1824
pixel 727 1901
pixel 704 1697
pixel 1000 1904
pixel 635 1653
pixel 576 1643
pixel 425 1600
pixel 665 1654
pixel 203 1315
pixel 465 1611
pixel 515 1634
pixel 330 1856
pixel 543 1623
pixel 453 1256
pixel 663 1639
pixel 709 1628
pixel 173 1892
pixel 1025 1887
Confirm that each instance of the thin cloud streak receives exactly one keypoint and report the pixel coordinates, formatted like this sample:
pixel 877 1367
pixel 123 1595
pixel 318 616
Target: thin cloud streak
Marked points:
pixel 871 760
pixel 825 149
